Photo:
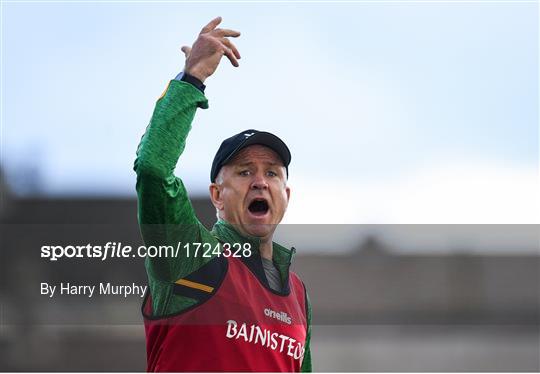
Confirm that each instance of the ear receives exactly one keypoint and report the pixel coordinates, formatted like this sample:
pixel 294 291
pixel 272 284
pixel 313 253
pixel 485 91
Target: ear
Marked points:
pixel 288 192
pixel 215 196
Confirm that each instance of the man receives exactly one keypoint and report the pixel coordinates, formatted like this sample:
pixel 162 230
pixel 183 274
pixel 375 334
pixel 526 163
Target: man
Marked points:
pixel 226 300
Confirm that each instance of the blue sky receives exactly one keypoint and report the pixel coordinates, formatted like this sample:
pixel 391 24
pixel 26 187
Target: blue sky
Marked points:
pixel 401 112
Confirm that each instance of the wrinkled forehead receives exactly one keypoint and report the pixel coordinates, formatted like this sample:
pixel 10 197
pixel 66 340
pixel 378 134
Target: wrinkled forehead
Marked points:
pixel 256 153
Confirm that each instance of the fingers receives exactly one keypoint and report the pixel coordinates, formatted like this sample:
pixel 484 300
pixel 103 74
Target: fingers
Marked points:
pixel 213 33
pixel 232 58
pixel 231 46
pixel 219 32
pixel 186 50
pixel 226 32
pixel 211 25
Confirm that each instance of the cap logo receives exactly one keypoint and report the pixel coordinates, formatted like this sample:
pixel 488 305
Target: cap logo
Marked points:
pixel 248 134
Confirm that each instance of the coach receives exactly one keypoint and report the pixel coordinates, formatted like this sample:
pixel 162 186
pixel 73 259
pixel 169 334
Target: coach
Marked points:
pixel 226 300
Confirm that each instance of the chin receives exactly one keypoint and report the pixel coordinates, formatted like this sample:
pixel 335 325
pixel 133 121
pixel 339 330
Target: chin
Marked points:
pixel 259 230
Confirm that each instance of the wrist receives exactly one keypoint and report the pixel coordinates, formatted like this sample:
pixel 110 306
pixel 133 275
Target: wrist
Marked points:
pixel 194 73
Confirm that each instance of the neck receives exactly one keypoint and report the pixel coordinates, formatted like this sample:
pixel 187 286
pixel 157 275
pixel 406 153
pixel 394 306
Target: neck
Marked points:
pixel 265 248
pixel 265 244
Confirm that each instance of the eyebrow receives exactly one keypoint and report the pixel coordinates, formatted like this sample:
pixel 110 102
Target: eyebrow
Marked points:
pixel 248 163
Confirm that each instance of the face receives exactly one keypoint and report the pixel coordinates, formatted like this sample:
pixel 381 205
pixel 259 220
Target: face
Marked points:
pixel 251 191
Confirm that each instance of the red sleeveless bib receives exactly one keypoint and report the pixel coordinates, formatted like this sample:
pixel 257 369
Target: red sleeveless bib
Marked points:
pixel 244 326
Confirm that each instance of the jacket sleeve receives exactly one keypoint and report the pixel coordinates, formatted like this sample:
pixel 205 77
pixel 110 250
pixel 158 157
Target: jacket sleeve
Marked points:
pixel 165 213
pixel 306 363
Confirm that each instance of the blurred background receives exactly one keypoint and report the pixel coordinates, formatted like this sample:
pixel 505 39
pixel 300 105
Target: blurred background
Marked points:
pixel 415 189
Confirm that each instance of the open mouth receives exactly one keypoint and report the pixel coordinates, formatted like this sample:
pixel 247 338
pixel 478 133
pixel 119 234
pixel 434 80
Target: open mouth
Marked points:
pixel 258 207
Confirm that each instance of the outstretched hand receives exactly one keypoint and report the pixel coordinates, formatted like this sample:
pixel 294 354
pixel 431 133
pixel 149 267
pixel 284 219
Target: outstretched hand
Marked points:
pixel 203 57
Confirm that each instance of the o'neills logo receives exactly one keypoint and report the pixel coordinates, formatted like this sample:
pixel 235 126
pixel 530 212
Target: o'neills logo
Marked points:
pixel 280 316
pixel 256 335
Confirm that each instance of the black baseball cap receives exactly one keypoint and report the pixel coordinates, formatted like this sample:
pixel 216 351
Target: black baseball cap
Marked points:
pixel 231 146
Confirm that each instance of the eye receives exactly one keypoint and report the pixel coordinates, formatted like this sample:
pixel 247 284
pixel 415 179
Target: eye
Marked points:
pixel 244 173
pixel 271 173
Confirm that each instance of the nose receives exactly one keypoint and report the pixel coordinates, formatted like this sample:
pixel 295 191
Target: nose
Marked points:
pixel 259 182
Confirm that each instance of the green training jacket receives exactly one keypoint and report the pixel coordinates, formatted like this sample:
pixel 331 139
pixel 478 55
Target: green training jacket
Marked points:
pixel 165 213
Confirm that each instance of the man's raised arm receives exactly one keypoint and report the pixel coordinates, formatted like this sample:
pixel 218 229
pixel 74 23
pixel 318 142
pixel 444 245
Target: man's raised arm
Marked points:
pixel 163 203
